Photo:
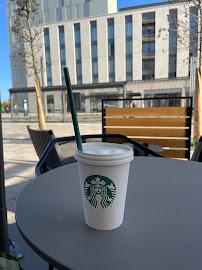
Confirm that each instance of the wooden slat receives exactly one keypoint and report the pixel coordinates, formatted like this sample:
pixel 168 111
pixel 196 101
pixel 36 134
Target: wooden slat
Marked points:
pixel 155 122
pixel 148 132
pixel 164 143
pixel 155 111
pixel 174 153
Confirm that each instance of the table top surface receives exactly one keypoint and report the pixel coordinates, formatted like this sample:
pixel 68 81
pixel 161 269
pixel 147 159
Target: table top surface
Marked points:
pixel 162 227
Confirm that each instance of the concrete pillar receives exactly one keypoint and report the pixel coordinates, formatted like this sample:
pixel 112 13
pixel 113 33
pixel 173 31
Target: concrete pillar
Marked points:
pixel 70 51
pixel 102 36
pixel 86 52
pixel 87 102
pixel 182 49
pixel 120 52
pixel 161 43
pixel 55 55
pixel 137 46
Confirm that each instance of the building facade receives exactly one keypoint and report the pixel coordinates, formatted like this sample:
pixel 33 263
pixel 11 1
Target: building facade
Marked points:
pixel 114 47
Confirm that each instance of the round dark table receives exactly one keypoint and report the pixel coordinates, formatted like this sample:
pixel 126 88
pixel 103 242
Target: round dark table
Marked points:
pixel 162 228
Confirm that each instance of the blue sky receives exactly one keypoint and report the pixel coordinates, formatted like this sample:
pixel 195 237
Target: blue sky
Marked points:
pixel 5 73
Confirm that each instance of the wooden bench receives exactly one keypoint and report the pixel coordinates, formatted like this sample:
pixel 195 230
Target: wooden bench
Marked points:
pixel 169 127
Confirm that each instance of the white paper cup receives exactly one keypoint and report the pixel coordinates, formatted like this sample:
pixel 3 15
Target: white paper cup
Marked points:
pixel 103 170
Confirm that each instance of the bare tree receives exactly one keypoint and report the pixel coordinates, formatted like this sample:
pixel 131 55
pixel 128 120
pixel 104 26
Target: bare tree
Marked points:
pixel 185 33
pixel 28 35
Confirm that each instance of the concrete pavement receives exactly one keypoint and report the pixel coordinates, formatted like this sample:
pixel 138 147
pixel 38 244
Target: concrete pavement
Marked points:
pixel 20 160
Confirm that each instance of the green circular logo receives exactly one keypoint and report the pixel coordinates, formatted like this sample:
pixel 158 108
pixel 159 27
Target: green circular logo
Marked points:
pixel 99 190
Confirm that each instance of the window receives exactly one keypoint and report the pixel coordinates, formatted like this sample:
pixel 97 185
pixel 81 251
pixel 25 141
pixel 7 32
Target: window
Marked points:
pixel 111 70
pixel 48 56
pixel 60 3
pixel 110 49
pixel 172 42
pixel 93 26
pixel 172 66
pixel 129 68
pixel 172 31
pixel 110 28
pixel 86 11
pixel 50 103
pixel 69 13
pixel 129 28
pixel 148 30
pixel 79 102
pixel 62 52
pixel 78 53
pixel 148 16
pixel 45 4
pixel 193 38
pixel 58 15
pixel 77 33
pixel 147 69
pixel 46 16
pixel 129 47
pixel 111 63
pixel 93 31
pixel 76 11
pixel 148 48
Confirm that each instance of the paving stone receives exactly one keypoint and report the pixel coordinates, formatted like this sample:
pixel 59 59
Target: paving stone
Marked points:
pixel 20 160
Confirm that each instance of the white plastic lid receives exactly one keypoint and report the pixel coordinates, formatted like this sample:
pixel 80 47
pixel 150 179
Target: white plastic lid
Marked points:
pixel 104 154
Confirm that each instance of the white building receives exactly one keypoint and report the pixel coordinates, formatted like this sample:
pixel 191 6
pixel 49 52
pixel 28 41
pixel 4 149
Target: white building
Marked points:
pixel 100 45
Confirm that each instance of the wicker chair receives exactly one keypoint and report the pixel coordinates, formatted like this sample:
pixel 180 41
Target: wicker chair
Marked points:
pixel 40 139
pixel 197 155
pixel 65 147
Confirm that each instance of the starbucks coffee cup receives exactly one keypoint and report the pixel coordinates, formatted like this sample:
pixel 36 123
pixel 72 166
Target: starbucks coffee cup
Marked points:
pixel 103 170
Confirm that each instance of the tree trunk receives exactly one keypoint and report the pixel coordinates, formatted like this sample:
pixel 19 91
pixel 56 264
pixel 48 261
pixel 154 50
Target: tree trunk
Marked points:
pixel 198 105
pixel 41 116
pixel 65 101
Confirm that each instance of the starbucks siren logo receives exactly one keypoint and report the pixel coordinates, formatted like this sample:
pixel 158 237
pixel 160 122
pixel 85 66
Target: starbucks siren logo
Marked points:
pixel 99 189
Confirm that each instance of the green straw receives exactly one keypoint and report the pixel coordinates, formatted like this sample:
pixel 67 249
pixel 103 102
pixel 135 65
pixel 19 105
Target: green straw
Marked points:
pixel 73 110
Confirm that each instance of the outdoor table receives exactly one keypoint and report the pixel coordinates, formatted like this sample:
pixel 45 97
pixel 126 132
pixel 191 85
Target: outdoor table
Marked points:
pixel 162 227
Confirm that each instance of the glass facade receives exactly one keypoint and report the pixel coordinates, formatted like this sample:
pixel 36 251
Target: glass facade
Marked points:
pixel 77 14
pixel 60 3
pixel 148 30
pixel 148 67
pixel 58 14
pixel 78 53
pixel 62 51
pixel 46 16
pixel 111 63
pixel 193 38
pixel 93 26
pixel 148 48
pixel 148 16
pixel 86 10
pixel 48 56
pixel 69 12
pixel 172 42
pixel 129 48
pixel 45 4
